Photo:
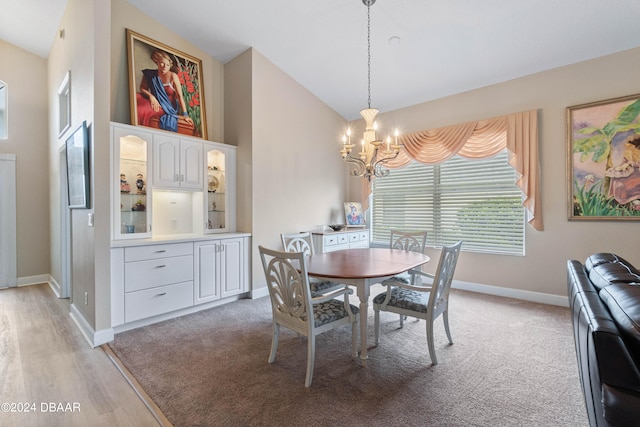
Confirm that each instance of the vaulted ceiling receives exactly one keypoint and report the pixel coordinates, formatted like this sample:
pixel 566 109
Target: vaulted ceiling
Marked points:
pixel 420 49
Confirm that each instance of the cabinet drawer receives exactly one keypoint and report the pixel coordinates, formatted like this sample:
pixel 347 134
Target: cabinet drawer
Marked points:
pixel 151 302
pixel 330 240
pixel 157 272
pixel 363 236
pixel 354 237
pixel 343 238
pixel 139 253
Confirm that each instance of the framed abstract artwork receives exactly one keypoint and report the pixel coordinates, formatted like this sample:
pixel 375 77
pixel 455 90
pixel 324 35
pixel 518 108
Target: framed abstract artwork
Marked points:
pixel 603 160
pixel 165 87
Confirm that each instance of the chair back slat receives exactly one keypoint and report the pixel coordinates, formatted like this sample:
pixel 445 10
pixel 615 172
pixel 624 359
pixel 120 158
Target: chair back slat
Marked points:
pixel 297 242
pixel 414 241
pixel 287 281
pixel 439 295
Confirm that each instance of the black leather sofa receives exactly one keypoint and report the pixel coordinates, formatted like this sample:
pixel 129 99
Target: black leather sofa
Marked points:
pixel 604 297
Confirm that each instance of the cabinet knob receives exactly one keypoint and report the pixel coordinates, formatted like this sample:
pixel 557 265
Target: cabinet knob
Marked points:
pixel 161 295
pixel 161 266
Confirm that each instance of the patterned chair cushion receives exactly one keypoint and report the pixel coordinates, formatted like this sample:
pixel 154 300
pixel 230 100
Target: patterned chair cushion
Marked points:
pixel 320 286
pixel 406 299
pixel 402 278
pixel 330 311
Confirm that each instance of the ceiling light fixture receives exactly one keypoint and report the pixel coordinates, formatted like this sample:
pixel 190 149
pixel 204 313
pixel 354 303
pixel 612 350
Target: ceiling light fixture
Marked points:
pixel 374 152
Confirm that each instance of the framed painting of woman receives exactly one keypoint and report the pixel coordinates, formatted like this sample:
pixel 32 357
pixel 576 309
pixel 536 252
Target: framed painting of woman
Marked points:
pixel 353 214
pixel 165 87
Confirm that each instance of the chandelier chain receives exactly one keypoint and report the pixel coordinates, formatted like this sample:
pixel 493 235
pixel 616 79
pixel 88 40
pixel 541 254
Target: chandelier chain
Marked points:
pixel 375 153
pixel 369 53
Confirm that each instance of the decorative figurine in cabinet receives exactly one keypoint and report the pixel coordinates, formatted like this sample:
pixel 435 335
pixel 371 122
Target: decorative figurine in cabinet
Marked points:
pixel 131 152
pixel 216 190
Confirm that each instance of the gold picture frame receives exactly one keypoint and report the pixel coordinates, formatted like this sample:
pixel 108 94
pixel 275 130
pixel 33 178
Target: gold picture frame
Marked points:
pixel 165 87
pixel 603 160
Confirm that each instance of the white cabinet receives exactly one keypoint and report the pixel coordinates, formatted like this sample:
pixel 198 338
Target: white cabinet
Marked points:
pixel 166 184
pixel 160 280
pixel 220 180
pixel 220 269
pixel 334 241
pixel 131 151
pixel 177 163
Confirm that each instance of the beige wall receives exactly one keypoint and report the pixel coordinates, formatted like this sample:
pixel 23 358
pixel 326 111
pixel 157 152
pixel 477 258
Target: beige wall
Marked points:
pixel 298 179
pixel 26 77
pixel 238 127
pixel 543 268
pixel 83 51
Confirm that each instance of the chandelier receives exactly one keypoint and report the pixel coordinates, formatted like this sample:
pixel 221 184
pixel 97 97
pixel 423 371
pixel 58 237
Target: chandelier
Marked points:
pixel 374 152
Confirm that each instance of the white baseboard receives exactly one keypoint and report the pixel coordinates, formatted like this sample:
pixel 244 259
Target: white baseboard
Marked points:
pixel 33 280
pixel 95 339
pixel 520 294
pixel 54 285
pixel 482 289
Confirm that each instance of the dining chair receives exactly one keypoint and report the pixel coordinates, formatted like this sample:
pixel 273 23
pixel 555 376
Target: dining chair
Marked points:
pixel 414 241
pixel 293 306
pixel 302 242
pixel 422 302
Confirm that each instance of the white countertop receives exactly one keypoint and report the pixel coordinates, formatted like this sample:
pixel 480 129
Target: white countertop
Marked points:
pixel 344 230
pixel 175 238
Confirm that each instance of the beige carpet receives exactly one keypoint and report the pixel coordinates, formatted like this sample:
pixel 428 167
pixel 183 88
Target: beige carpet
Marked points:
pixel 512 364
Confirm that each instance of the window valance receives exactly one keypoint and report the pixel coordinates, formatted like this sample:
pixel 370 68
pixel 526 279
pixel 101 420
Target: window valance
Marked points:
pixel 517 132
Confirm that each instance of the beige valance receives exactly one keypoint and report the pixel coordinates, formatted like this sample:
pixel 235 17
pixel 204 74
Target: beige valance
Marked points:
pixel 517 132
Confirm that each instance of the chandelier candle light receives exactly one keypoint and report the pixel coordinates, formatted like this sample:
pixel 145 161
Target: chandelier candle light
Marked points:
pixel 374 152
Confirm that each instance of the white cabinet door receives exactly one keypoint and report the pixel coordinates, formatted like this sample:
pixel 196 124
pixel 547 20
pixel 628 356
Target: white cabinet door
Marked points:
pixel 219 269
pixel 177 163
pixel 166 161
pixel 206 272
pixel 131 204
pixel 231 267
pixel 220 182
pixel 191 164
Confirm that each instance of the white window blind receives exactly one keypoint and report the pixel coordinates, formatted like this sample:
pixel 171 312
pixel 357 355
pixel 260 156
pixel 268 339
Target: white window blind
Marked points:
pixel 475 201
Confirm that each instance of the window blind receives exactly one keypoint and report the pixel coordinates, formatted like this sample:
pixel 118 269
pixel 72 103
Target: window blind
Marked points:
pixel 475 201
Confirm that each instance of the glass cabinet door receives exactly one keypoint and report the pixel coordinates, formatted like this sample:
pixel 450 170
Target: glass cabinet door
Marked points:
pixel 132 204
pixel 216 198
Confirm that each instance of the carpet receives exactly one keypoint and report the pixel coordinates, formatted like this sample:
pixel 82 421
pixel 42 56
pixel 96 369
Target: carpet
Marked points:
pixel 512 363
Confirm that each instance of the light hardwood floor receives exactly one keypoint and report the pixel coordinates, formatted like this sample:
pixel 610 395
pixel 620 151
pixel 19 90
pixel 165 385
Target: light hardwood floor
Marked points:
pixel 47 366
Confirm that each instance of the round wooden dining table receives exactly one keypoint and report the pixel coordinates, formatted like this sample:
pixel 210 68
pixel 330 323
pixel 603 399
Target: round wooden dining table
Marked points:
pixel 361 268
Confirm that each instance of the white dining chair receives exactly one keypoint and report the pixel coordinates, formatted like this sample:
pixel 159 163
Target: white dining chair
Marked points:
pixel 302 242
pixel 414 241
pixel 293 306
pixel 414 299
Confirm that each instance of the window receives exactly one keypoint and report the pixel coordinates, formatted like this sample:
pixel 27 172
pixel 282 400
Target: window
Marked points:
pixel 64 104
pixel 476 201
